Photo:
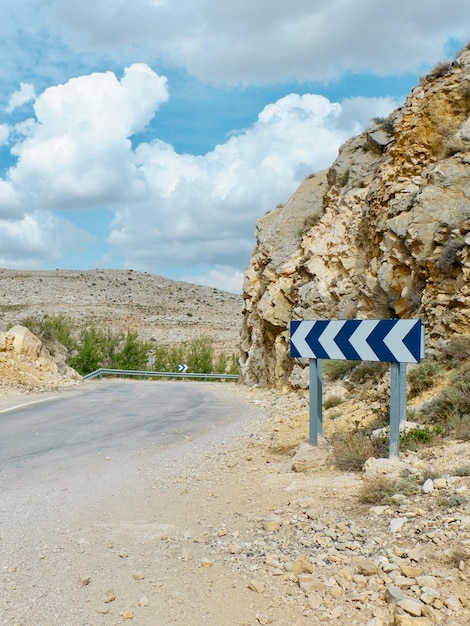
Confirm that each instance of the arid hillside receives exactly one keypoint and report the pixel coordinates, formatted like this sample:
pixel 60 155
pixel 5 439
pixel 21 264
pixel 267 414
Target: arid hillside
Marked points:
pixel 167 310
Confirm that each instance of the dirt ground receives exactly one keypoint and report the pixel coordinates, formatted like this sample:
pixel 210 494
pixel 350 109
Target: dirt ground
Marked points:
pixel 204 536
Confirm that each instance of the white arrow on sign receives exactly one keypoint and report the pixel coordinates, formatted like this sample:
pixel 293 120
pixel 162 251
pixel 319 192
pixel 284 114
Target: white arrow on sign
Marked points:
pixel 182 368
pixel 358 339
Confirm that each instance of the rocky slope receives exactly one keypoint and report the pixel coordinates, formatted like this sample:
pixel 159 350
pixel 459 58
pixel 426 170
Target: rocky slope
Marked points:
pixel 383 233
pixel 169 311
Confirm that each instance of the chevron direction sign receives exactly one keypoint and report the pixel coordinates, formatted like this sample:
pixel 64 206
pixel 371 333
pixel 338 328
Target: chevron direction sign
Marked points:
pixel 391 340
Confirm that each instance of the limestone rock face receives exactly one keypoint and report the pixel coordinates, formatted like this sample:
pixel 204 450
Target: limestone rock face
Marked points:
pixel 385 232
pixel 25 360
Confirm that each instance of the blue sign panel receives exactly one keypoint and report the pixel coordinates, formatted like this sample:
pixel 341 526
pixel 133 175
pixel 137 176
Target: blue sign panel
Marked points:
pixel 392 340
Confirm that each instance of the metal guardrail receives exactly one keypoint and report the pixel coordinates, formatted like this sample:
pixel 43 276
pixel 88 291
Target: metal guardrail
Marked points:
pixel 145 373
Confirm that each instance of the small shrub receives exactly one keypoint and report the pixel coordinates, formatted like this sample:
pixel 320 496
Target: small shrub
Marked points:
pixel 200 354
pixel 453 501
pixel 448 255
pixel 451 409
pixel 311 220
pixel 344 178
pixel 234 367
pixel 368 371
pixel 440 69
pixel 332 401
pixel 463 470
pixel 337 370
pixel 385 123
pixel 429 473
pixel 458 555
pixel 352 450
pixel 380 489
pixel 459 425
pixel 422 377
pixel 377 490
pixel 407 484
pixel 457 350
pixel 415 438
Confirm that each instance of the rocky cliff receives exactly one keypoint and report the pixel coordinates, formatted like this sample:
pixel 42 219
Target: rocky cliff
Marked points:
pixel 384 232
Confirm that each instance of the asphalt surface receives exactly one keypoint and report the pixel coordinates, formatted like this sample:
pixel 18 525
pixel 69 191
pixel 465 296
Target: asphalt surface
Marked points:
pixel 110 417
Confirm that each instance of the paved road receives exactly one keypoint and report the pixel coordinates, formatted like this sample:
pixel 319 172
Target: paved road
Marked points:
pixel 108 417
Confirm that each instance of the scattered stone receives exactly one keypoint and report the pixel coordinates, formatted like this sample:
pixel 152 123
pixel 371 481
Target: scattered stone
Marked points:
pixel 272 524
pixel 397 524
pixel 257 586
pixel 410 571
pixel 413 607
pixel 428 486
pixel 394 594
pixel 452 603
pixel 127 615
pixel 366 566
pixel 407 620
pixel 110 597
pixel 384 467
pixel 302 565
pixel 310 457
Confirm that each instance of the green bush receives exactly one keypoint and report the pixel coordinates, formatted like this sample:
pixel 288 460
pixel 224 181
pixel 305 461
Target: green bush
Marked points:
pixel 337 370
pixel 91 347
pixel 422 377
pixel 457 350
pixel 450 410
pixel 132 353
pixel 199 355
pixel 52 330
pixel 415 438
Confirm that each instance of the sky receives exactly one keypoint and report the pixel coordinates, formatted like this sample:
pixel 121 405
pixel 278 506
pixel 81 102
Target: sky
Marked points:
pixel 152 134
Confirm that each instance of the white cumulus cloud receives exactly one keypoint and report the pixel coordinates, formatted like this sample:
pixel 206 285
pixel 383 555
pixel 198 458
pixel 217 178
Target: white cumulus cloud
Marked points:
pixel 241 41
pixel 78 152
pixel 25 94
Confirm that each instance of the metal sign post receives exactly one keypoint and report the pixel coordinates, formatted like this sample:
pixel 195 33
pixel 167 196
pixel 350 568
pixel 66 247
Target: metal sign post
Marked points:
pixel 398 341
pixel 315 409
pixel 397 405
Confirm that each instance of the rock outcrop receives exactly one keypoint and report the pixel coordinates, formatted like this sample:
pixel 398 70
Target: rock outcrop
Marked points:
pixel 384 232
pixel 25 361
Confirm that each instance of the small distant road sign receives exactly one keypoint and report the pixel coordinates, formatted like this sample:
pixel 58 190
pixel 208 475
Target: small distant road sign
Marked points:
pixel 391 340
pixel 183 368
pixel 152 360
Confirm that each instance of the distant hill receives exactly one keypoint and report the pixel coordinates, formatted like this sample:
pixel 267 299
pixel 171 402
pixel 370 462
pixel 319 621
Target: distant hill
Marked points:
pixel 169 311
